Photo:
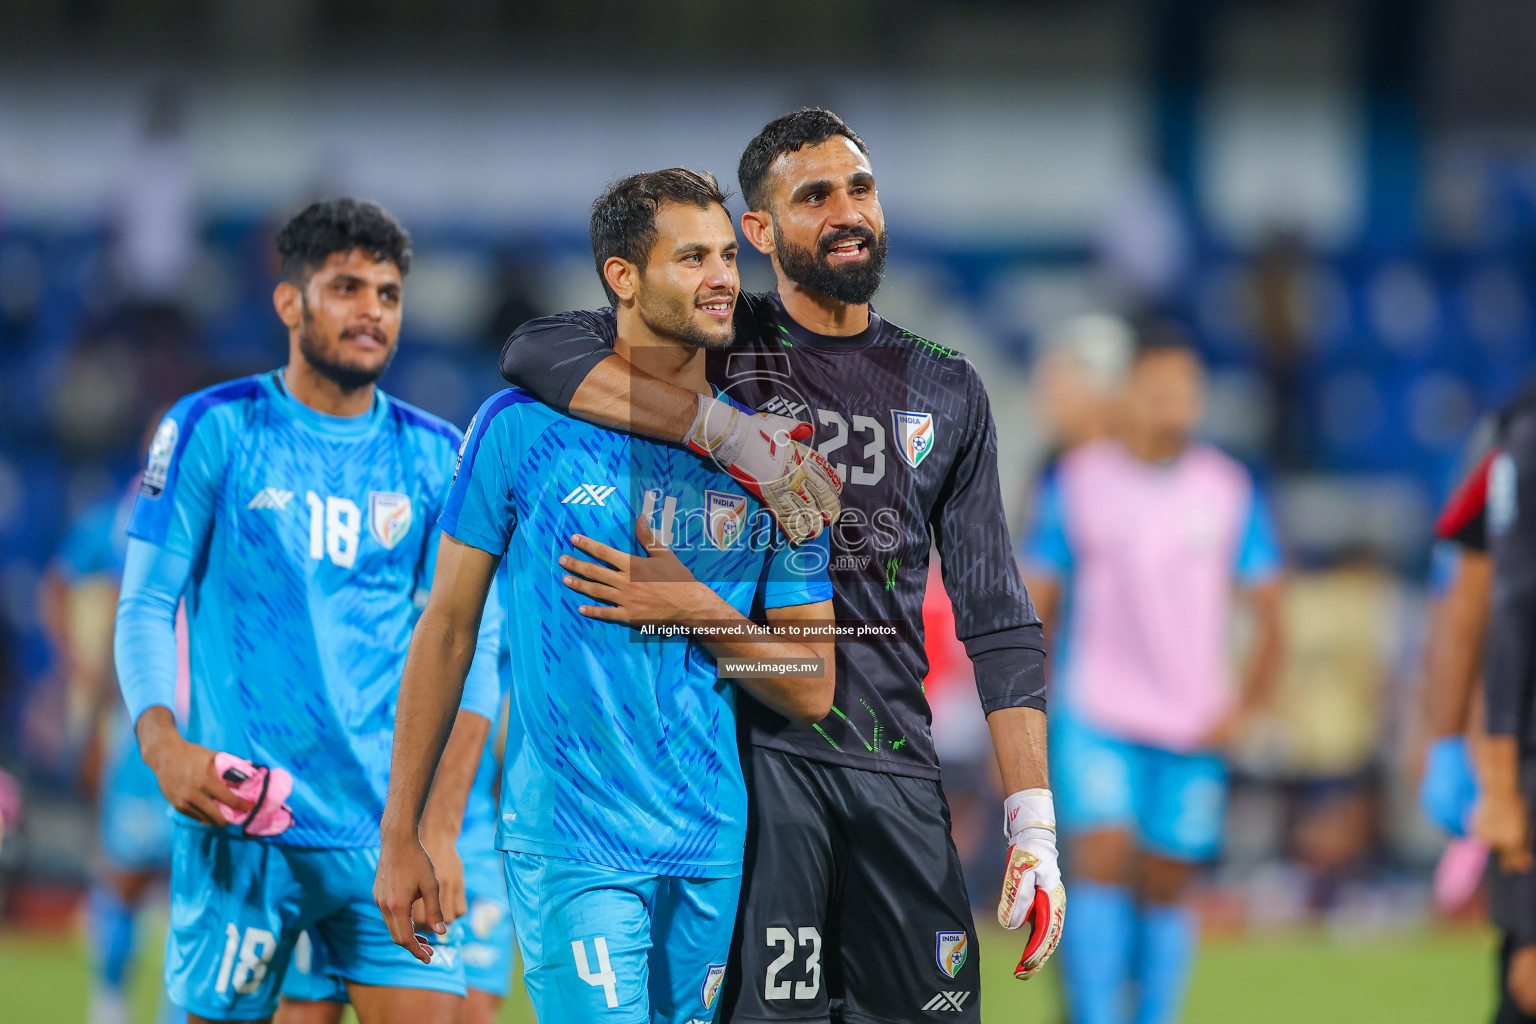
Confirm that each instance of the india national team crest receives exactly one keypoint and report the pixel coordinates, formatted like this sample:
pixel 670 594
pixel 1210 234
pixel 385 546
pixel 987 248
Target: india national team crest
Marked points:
pixel 914 435
pixel 712 982
pixel 726 514
pixel 951 950
pixel 389 516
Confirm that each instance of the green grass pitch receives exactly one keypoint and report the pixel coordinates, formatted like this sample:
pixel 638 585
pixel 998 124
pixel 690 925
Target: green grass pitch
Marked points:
pixel 1433 977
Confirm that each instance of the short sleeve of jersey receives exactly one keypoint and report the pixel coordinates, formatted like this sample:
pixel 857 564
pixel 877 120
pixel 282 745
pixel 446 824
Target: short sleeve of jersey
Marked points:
pixel 1259 558
pixel 1045 548
pixel 175 505
pixel 480 510
pixel 798 575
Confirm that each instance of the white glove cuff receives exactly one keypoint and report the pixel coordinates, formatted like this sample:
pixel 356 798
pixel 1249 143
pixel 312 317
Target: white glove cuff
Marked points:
pixel 1026 809
pixel 715 430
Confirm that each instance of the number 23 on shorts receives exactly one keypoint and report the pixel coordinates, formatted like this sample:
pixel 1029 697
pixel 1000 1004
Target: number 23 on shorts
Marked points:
pixel 783 939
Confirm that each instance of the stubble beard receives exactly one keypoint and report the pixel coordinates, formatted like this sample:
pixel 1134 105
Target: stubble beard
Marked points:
pixel 347 377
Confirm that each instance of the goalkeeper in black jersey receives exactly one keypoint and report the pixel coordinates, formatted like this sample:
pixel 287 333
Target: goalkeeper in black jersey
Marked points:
pixel 853 907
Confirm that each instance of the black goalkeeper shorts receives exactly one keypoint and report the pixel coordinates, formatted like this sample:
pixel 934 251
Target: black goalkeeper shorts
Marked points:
pixel 853 908
pixel 1512 894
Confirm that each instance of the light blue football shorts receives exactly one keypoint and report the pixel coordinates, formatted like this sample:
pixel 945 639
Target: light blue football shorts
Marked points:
pixel 1173 802
pixel 239 905
pixel 605 946
pixel 483 938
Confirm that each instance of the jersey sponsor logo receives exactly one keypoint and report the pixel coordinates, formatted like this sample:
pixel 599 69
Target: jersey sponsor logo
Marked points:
pixel 952 1002
pixel 271 498
pixel 915 434
pixel 589 494
pixel 712 979
pixel 950 950
pixel 726 513
pixel 389 516
pixel 158 467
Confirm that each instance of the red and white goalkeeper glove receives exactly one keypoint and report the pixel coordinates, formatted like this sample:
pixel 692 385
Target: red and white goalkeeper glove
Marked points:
pixel 765 455
pixel 1032 889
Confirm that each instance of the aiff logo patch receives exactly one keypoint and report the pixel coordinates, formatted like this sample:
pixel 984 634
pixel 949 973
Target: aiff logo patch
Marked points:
pixel 712 982
pixel 951 949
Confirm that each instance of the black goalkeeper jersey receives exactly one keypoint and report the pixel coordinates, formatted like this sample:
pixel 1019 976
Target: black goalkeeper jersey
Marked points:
pixel 908 426
pixel 1509 663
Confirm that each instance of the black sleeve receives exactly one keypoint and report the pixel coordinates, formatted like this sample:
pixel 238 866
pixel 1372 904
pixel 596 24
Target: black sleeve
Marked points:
pixel 1511 653
pixel 993 614
pixel 550 356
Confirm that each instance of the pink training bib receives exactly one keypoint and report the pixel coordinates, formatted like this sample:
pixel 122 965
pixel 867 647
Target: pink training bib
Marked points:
pixel 1154 565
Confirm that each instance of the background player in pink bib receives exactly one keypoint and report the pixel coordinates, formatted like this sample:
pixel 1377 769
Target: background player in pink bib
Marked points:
pixel 1142 542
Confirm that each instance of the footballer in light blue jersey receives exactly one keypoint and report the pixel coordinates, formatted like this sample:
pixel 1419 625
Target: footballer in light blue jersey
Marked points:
pixel 483 934
pixel 643 779
pixel 293 512
pixel 311 543
pixel 623 809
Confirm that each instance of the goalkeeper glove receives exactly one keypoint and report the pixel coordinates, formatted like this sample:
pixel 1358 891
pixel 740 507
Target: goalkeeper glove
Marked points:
pixel 265 788
pixel 1448 791
pixel 765 454
pixel 1032 889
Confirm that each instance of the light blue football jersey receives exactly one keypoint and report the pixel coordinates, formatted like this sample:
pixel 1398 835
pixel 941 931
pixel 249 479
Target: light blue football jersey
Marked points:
pixel 312 544
pixel 621 747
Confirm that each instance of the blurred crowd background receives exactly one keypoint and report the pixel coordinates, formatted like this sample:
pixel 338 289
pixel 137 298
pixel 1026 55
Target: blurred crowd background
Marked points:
pixel 1336 199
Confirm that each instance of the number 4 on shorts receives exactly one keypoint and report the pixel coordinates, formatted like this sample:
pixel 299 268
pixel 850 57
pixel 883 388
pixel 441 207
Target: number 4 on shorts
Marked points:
pixel 605 978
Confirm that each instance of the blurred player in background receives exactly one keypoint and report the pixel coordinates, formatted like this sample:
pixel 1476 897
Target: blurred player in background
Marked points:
pixel 854 905
pixel 292 511
pixel 1450 704
pixel 1506 765
pixel 472 888
pixel 1138 546
pixel 1453 718
pixel 80 592
pixel 1079 378
pixel 623 813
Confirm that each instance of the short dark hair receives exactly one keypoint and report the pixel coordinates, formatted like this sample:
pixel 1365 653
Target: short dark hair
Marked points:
pixel 1160 336
pixel 330 226
pixel 624 216
pixel 810 126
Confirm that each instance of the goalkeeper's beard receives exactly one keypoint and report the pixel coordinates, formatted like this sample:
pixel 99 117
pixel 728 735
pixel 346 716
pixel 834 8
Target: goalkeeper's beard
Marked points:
pixel 346 376
pixel 811 269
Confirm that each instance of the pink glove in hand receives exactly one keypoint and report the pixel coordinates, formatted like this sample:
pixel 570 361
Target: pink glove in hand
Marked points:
pixel 1459 874
pixel 265 788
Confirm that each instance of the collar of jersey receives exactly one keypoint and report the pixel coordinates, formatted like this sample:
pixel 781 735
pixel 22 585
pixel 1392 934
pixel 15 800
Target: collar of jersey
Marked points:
pixel 344 427
pixel 804 336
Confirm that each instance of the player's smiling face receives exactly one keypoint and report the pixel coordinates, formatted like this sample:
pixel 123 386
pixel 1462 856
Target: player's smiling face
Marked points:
pixel 689 286
pixel 349 313
pixel 828 228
